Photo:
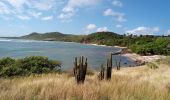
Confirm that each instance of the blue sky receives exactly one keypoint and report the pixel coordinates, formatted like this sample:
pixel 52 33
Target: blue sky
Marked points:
pixel 20 17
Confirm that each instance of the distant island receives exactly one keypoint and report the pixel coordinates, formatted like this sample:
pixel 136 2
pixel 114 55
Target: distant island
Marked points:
pixel 142 44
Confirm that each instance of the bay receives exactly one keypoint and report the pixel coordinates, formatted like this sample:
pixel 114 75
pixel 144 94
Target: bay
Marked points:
pixel 62 51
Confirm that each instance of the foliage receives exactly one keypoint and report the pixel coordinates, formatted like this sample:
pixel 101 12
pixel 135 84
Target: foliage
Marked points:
pixel 152 65
pixel 28 65
pixel 143 44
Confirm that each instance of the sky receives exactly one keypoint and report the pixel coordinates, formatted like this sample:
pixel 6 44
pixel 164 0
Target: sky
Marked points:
pixel 21 17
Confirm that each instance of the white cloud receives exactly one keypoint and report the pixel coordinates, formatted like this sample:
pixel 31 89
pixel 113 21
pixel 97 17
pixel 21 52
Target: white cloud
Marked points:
pixel 65 16
pixel 17 4
pixel 117 15
pixel 43 4
pixel 23 17
pixel 28 8
pixel 80 3
pixel 47 18
pixel 34 14
pixel 167 32
pixel 102 29
pixel 117 3
pixel 144 31
pixel 4 9
pixel 37 4
pixel 90 28
pixel 73 5
pixel 118 26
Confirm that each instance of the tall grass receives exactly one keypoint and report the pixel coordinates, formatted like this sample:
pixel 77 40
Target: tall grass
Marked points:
pixel 135 83
pixel 63 87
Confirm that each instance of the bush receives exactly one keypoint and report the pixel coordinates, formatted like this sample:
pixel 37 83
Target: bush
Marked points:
pixel 28 65
pixel 152 65
pixel 6 62
pixel 11 71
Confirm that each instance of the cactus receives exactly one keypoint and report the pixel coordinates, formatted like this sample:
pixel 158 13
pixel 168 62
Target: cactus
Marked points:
pixel 106 74
pixel 101 74
pixel 118 64
pixel 111 60
pixel 108 70
pixel 80 69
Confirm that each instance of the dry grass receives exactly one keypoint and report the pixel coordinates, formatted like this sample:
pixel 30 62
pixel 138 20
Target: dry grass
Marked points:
pixel 136 83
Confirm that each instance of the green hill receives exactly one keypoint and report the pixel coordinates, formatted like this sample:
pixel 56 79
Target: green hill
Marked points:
pixel 143 44
pixel 106 38
pixel 53 36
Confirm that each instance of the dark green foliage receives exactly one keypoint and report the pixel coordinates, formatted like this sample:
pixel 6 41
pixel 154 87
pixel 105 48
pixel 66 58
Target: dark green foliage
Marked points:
pixel 144 45
pixel 156 46
pixel 6 62
pixel 107 38
pixel 28 65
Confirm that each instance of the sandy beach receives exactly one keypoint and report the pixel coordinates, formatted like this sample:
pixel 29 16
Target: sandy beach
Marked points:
pixel 136 57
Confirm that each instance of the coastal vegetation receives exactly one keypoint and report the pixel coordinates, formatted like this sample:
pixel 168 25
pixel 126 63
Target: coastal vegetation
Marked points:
pixel 132 83
pixel 29 65
pixel 142 44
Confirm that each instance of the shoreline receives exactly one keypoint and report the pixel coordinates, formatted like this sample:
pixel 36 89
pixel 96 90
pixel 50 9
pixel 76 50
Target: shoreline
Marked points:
pixel 145 59
pixel 94 44
pixel 133 56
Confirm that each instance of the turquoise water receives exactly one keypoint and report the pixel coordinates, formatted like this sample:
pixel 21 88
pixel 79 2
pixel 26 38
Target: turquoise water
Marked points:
pixel 62 51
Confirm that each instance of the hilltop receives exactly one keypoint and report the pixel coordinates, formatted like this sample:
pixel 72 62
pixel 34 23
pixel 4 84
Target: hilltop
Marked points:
pixel 52 36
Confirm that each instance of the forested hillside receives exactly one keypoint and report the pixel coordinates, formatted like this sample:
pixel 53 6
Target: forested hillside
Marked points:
pixel 53 36
pixel 143 44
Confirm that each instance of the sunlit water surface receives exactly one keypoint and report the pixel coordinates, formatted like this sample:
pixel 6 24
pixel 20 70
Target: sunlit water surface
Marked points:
pixel 62 51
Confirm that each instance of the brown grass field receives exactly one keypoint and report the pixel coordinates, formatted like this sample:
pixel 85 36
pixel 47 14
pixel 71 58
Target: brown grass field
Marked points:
pixel 133 83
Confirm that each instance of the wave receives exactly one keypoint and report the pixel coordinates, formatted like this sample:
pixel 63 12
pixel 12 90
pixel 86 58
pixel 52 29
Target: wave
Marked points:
pixel 5 40
pixel 19 40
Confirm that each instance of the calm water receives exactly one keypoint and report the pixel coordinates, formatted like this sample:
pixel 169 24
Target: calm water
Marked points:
pixel 62 51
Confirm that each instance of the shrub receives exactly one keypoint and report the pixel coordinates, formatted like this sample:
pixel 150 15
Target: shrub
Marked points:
pixel 152 65
pixel 11 71
pixel 6 62
pixel 28 65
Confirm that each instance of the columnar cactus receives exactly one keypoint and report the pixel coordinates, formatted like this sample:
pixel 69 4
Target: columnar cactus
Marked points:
pixel 101 74
pixel 108 70
pixel 80 69
pixel 106 74
pixel 118 62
